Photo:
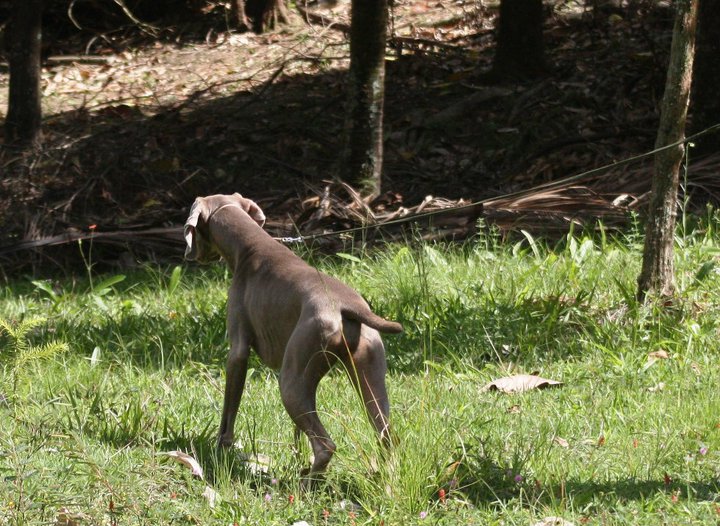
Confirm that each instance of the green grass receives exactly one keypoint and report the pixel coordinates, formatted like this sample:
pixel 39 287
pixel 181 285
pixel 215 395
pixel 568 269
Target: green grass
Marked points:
pixel 625 440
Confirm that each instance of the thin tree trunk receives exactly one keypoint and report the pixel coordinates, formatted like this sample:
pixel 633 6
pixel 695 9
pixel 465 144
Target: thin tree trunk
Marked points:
pixel 275 14
pixel 657 275
pixel 363 151
pixel 258 14
pixel 239 18
pixel 23 40
pixel 519 51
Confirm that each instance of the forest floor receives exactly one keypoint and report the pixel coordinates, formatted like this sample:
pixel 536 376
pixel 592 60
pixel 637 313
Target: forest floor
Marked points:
pixel 140 121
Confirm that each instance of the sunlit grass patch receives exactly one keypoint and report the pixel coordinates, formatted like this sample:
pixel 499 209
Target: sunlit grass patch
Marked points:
pixel 631 437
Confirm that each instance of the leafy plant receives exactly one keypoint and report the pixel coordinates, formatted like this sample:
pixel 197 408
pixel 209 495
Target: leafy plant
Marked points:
pixel 20 353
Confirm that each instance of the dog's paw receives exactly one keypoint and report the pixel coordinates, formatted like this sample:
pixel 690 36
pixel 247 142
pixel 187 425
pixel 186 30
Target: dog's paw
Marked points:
pixel 225 443
pixel 309 479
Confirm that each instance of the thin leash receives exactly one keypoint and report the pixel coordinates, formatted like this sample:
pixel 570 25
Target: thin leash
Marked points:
pixel 545 186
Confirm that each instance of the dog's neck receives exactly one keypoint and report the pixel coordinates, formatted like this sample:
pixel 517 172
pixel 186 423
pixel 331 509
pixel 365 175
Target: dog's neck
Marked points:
pixel 239 240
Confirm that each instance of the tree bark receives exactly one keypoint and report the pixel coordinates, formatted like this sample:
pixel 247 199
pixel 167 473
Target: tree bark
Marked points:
pixel 259 15
pixel 520 50
pixel 23 38
pixel 239 18
pixel 657 275
pixel 706 77
pixel 363 142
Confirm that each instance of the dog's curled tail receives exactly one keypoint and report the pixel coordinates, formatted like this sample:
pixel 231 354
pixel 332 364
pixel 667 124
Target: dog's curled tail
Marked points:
pixel 371 319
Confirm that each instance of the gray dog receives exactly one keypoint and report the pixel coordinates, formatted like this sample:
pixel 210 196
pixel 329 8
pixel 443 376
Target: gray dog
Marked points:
pixel 299 321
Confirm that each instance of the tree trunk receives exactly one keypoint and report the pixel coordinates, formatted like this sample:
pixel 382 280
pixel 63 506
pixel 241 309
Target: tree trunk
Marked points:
pixel 520 50
pixel 258 14
pixel 363 141
pixel 239 18
pixel 706 77
pixel 657 275
pixel 23 37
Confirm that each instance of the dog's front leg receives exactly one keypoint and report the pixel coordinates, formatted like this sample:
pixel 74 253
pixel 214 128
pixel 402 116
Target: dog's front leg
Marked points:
pixel 235 372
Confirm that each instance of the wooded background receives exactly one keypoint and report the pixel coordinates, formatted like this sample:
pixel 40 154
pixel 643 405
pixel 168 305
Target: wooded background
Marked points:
pixel 334 116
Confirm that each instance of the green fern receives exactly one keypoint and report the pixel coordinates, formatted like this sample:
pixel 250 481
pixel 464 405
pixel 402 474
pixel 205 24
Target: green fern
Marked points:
pixel 19 354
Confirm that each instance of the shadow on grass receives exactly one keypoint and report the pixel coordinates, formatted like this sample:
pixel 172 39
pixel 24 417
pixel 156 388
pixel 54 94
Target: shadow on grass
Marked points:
pixel 634 489
pixel 458 334
pixel 472 328
pixel 488 483
pixel 456 331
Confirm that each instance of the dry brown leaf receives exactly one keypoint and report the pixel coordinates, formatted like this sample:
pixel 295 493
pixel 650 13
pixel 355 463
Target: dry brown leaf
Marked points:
pixel 188 461
pixel 561 442
pixel 211 496
pixel 520 383
pixel 65 517
pixel 258 464
pixel 659 355
pixel 553 521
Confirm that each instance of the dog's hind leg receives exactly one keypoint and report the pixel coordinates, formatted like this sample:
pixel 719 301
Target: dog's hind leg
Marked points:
pixel 303 367
pixel 366 367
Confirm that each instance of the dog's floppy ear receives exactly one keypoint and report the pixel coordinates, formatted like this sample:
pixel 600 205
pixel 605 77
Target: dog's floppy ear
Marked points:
pixel 199 210
pixel 252 209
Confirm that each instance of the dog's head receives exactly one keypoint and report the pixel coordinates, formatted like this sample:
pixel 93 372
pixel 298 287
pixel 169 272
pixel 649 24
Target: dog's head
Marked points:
pixel 199 246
